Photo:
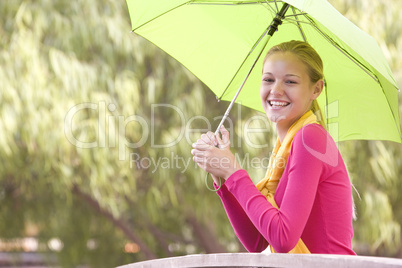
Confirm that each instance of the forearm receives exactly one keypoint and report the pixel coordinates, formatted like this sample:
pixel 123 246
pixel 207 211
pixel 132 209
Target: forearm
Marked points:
pixel 245 230
pixel 281 228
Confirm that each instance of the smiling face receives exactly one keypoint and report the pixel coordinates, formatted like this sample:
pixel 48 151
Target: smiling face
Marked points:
pixel 286 89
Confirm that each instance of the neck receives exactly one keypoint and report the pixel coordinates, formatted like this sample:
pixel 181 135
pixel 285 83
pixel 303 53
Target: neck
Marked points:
pixel 282 127
pixel 282 131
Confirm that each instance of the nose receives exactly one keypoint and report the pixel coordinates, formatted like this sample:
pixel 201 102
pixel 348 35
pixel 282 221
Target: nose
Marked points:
pixel 277 89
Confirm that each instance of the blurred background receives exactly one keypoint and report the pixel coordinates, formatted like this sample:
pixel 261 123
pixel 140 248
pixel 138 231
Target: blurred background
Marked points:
pixel 96 126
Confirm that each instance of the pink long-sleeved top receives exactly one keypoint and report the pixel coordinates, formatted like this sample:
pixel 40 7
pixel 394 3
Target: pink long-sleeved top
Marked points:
pixel 314 197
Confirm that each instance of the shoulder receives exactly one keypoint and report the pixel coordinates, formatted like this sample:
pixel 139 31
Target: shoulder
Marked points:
pixel 314 136
pixel 314 140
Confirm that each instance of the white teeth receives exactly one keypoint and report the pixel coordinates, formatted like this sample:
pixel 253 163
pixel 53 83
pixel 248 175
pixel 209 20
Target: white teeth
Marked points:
pixel 278 103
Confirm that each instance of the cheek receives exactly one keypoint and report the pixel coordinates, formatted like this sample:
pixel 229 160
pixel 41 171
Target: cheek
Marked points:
pixel 263 93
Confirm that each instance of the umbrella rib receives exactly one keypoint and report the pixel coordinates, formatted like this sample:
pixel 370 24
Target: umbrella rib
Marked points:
pixel 334 44
pixel 276 5
pixel 298 24
pixel 249 53
pixel 393 114
pixel 326 102
pixel 305 40
pixel 223 4
pixel 295 15
pixel 245 59
pixel 354 60
pixel 160 15
pixel 270 8
pixel 234 3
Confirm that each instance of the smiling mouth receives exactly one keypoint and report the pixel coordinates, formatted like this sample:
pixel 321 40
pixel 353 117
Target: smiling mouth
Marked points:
pixel 278 104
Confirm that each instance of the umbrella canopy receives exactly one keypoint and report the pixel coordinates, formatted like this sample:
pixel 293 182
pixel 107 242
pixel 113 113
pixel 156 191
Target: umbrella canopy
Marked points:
pixel 219 40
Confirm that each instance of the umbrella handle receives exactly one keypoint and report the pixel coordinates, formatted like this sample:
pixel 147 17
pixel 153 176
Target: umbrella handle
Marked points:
pixel 209 188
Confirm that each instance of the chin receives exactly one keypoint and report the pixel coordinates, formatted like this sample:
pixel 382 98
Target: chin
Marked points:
pixel 276 118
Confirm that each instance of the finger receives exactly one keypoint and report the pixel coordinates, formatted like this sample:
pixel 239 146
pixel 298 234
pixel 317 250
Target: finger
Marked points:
pixel 212 137
pixel 201 145
pixel 200 162
pixel 203 166
pixel 196 152
pixel 206 139
pixel 225 141
pixel 225 134
pixel 198 159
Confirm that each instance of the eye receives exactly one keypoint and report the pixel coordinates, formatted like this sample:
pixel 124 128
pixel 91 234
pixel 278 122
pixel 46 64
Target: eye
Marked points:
pixel 291 82
pixel 269 80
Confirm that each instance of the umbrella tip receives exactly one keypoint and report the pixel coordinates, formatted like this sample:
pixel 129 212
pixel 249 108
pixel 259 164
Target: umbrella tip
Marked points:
pixel 217 99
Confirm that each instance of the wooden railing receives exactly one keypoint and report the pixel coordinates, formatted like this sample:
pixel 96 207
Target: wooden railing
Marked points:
pixel 259 260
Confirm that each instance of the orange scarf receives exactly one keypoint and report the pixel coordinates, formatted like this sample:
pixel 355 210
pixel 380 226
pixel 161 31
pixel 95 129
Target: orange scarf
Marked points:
pixel 277 164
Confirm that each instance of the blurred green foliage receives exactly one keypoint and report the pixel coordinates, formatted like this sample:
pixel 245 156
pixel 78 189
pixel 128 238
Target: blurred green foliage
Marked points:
pixel 73 76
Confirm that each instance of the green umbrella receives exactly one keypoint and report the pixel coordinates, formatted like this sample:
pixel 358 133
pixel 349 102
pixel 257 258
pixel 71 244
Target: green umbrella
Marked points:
pixel 221 43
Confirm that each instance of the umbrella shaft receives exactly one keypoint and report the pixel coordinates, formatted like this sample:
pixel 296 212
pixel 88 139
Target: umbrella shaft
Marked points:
pixel 278 19
pixel 271 30
pixel 240 88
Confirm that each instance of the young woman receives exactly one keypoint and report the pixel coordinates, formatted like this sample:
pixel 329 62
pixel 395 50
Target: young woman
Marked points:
pixel 304 204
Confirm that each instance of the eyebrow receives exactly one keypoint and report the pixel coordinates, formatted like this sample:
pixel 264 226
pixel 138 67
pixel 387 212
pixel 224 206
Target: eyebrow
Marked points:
pixel 285 74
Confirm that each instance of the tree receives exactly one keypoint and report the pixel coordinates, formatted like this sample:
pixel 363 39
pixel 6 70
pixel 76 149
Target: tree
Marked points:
pixel 86 117
pixel 97 126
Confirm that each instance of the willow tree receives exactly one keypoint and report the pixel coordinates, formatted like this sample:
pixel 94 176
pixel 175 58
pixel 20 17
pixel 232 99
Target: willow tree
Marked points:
pixel 92 146
pixel 97 126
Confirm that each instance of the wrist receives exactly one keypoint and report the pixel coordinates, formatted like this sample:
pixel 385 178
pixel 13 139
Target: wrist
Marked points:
pixel 230 172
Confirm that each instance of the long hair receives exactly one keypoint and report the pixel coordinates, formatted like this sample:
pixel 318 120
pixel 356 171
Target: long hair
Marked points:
pixel 309 56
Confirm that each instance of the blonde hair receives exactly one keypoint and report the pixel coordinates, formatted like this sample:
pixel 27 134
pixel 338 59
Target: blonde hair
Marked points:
pixel 309 56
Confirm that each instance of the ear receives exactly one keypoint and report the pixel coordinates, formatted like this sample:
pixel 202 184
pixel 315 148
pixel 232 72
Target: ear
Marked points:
pixel 318 86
